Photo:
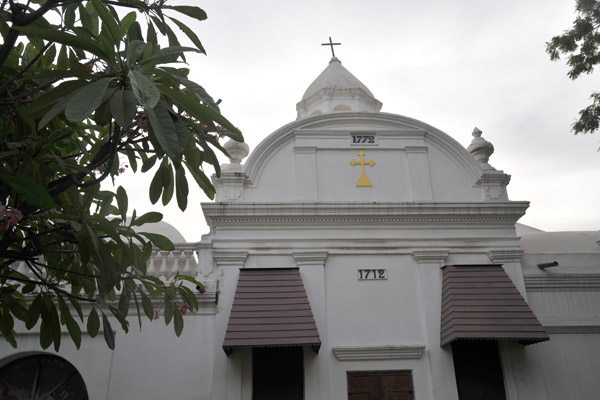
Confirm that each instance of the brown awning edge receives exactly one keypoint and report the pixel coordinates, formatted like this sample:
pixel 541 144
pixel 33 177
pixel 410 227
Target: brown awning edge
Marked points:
pixel 271 309
pixel 481 302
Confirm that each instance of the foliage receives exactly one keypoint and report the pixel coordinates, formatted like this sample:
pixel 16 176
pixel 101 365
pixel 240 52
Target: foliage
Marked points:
pixel 581 44
pixel 83 89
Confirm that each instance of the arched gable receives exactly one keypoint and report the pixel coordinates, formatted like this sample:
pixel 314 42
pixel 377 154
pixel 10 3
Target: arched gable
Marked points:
pixel 311 160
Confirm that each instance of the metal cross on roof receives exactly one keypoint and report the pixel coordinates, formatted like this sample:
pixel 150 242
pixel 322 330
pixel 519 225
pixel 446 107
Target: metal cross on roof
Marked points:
pixel 331 44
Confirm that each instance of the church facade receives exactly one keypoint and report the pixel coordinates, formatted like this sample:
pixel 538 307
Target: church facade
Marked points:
pixel 363 255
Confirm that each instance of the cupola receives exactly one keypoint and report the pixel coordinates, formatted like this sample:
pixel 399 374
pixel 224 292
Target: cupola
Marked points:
pixel 336 90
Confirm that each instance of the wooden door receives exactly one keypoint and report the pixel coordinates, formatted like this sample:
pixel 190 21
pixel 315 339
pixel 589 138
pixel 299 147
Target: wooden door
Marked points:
pixel 380 385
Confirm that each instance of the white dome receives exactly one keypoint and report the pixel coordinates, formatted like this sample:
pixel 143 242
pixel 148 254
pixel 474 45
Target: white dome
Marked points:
pixel 335 76
pixel 162 228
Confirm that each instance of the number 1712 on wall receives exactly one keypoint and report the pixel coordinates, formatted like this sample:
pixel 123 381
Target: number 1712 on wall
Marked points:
pixel 372 274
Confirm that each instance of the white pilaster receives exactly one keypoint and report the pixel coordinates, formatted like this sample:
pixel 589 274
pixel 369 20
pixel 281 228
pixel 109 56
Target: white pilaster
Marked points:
pixel 441 365
pixel 316 367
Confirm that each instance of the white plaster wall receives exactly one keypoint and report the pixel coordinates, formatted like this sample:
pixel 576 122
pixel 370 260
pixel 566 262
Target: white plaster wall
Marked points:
pixel 156 364
pixel 152 364
pixel 372 312
pixel 93 361
pixel 570 364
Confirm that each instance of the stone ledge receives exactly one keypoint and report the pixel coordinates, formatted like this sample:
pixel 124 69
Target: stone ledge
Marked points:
pixel 378 353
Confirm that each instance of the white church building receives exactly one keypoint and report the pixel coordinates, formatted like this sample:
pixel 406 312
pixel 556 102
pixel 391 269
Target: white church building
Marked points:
pixel 360 255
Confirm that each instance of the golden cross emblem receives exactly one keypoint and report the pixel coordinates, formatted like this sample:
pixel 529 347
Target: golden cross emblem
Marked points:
pixel 363 180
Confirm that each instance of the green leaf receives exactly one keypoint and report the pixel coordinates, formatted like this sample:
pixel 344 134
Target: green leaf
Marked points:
pixel 63 60
pixel 54 35
pixel 122 202
pixel 109 335
pixel 156 186
pixel 55 95
pixel 135 49
pixel 162 242
pixel 33 313
pixel 77 307
pixel 190 34
pixel 144 89
pixel 54 111
pixel 148 218
pixel 163 129
pixel 69 16
pixel 6 322
pixel 86 100
pixel 190 11
pixel 108 19
pixel 53 321
pixel 102 115
pixel 201 112
pixel 177 320
pixel 28 288
pixel 199 91
pixel 159 24
pixel 123 106
pixel 169 306
pixel 167 54
pixel 147 305
pixel 169 184
pixel 182 189
pixel 46 334
pixel 126 22
pixel 149 163
pixel 93 323
pixel 105 226
pixel 72 325
pixel 189 279
pixel 202 180
pixel 124 300
pixel 189 296
pixel 31 191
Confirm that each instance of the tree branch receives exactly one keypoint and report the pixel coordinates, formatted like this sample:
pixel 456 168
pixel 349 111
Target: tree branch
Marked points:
pixel 19 19
pixel 66 270
pixel 21 72
pixel 57 289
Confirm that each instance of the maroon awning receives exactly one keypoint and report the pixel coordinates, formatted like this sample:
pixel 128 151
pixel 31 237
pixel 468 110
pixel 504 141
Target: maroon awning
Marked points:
pixel 271 309
pixel 481 302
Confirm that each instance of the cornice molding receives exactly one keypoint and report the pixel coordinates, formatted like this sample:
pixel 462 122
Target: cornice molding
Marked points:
pixel 347 213
pixel 561 282
pixel 305 258
pixel 225 258
pixel 430 256
pixel 378 353
pixel 571 326
pixel 505 256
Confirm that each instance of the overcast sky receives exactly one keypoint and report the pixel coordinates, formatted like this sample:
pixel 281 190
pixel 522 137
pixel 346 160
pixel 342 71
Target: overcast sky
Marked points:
pixel 452 64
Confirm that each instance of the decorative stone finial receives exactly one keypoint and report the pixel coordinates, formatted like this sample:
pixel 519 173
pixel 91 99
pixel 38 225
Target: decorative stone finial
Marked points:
pixel 480 148
pixel 237 152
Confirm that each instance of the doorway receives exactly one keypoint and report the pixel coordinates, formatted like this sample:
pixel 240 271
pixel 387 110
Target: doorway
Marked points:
pixel 277 373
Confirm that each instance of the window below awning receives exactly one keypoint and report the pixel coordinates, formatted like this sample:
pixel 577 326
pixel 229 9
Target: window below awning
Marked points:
pixel 271 309
pixel 481 302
